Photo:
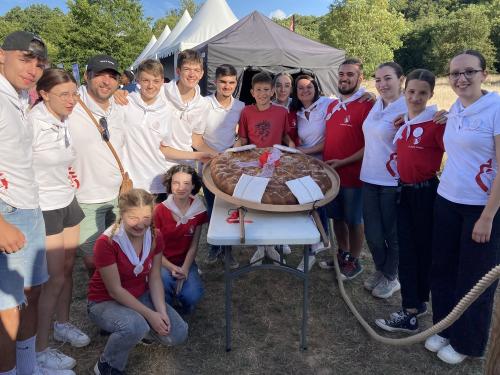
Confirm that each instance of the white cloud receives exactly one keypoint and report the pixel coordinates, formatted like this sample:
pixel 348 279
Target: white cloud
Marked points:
pixel 278 13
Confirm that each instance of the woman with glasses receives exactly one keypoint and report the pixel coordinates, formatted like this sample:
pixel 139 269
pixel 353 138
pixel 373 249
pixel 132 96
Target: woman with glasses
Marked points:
pixel 53 155
pixel 466 243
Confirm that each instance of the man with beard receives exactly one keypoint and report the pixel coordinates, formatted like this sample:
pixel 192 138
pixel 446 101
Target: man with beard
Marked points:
pixel 344 147
pixel 100 177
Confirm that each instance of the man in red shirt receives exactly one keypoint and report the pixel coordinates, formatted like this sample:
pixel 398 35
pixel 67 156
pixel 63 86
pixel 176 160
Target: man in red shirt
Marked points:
pixel 344 147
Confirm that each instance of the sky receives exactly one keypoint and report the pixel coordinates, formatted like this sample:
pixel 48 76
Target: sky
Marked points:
pixel 158 8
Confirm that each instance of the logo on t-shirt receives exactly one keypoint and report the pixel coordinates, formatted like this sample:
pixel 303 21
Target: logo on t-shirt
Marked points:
pixel 263 130
pixel 485 177
pixel 347 121
pixel 391 164
pixel 417 135
pixel 73 178
pixel 4 183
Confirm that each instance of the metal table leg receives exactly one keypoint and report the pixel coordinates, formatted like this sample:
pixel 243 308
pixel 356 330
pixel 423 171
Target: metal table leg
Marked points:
pixel 228 282
pixel 305 302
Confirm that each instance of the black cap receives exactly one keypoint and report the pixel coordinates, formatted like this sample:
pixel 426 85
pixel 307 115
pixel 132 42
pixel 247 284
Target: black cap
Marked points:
pixel 99 63
pixel 21 40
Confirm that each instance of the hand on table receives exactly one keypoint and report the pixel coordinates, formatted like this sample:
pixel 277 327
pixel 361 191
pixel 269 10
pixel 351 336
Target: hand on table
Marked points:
pixel 335 163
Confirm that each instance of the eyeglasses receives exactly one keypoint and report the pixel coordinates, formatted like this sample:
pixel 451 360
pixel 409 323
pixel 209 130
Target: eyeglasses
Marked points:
pixel 467 73
pixel 65 96
pixel 105 131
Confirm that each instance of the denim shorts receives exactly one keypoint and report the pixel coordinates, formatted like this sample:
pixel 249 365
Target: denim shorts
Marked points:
pixel 28 266
pixel 347 206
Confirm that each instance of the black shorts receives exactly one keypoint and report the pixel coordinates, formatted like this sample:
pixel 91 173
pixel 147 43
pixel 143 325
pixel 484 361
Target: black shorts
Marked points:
pixel 66 217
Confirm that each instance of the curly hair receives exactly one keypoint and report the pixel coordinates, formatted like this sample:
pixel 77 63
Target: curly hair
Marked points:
pixel 195 178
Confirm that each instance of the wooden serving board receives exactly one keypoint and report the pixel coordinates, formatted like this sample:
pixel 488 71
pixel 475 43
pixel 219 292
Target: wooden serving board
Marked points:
pixel 329 196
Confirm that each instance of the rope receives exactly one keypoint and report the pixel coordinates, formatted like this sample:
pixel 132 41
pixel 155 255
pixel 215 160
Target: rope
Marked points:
pixel 454 315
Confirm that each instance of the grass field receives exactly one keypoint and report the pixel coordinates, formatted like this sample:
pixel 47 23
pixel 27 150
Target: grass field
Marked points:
pixel 266 323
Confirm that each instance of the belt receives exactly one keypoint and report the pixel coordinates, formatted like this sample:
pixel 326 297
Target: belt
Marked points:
pixel 419 185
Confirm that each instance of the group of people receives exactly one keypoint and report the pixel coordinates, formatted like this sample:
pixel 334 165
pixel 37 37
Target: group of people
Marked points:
pixel 60 181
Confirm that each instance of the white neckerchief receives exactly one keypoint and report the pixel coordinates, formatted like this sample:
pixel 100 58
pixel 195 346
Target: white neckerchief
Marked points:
pixel 342 103
pixel 216 105
pixel 159 104
pixel 196 207
pixel 302 112
pixel 174 96
pixel 397 107
pixel 426 115
pixel 41 112
pixel 458 112
pixel 121 238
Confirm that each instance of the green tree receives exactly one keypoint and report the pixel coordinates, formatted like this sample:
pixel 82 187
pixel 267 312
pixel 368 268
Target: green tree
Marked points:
pixel 173 16
pixel 370 30
pixel 307 26
pixel 117 28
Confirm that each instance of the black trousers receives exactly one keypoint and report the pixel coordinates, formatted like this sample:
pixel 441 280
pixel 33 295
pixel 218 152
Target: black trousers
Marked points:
pixel 414 224
pixel 457 264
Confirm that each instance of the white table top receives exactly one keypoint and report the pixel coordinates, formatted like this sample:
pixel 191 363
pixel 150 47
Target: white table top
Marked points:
pixel 266 228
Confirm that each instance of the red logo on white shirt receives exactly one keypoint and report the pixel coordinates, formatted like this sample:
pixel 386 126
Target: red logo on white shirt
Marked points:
pixel 391 164
pixel 73 178
pixel 4 183
pixel 485 173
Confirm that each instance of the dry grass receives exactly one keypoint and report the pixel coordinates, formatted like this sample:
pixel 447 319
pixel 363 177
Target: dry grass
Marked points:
pixel 266 327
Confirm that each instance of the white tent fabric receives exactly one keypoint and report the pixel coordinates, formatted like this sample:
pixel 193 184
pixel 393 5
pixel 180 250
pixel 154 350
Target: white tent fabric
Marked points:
pixel 178 29
pixel 144 52
pixel 164 35
pixel 213 17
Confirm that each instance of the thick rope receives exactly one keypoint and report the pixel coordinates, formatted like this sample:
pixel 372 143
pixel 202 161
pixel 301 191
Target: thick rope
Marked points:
pixel 456 313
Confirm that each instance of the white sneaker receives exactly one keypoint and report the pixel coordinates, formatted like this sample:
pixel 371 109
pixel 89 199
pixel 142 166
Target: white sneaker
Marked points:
pixel 451 356
pixel 312 260
pixel 373 280
pixel 319 246
pixel 50 371
pixel 435 343
pixel 256 258
pixel 386 288
pixel 273 254
pixel 67 332
pixel 286 250
pixel 54 359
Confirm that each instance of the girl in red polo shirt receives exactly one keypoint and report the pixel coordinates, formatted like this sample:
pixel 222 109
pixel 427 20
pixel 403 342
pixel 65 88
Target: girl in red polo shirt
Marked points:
pixel 179 219
pixel 419 148
pixel 125 295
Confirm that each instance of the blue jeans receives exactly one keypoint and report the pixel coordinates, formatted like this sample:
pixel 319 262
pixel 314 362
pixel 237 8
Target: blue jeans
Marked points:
pixel 347 206
pixel 380 216
pixel 192 290
pixel 28 266
pixel 128 327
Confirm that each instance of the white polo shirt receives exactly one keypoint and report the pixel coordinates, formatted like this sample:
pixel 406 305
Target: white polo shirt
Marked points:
pixel 17 177
pixel 469 140
pixel 184 119
pixel 145 128
pixel 53 156
pixel 100 177
pixel 221 123
pixel 312 131
pixel 379 165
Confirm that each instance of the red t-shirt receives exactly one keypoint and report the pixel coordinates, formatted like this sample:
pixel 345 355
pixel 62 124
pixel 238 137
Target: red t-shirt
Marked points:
pixel 108 252
pixel 176 238
pixel 420 156
pixel 263 128
pixel 344 137
pixel 293 131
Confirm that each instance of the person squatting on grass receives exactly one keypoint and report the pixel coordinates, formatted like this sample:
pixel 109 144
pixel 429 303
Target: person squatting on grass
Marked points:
pixel 466 242
pixel 125 294
pixel 179 219
pixel 53 156
pixel 419 148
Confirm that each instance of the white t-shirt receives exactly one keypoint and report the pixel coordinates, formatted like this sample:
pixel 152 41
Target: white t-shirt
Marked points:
pixel 312 131
pixel 221 123
pixel 379 160
pixel 17 177
pixel 53 156
pixel 145 127
pixel 100 177
pixel 184 119
pixel 469 141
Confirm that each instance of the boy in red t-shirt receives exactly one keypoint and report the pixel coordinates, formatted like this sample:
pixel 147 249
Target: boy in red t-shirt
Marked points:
pixel 262 123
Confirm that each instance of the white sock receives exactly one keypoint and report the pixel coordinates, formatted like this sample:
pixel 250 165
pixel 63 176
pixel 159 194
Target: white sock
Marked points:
pixel 11 372
pixel 26 356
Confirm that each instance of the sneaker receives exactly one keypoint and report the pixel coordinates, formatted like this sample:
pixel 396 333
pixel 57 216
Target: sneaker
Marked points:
pixel 351 268
pixel 373 280
pixel 233 263
pixel 273 254
pixel 386 288
pixel 435 343
pixel 286 250
pixel 329 265
pixel 104 368
pixel 50 371
pixel 54 359
pixel 147 340
pixel 451 356
pixel 422 310
pixel 312 260
pixel 257 257
pixel 67 332
pixel 405 322
pixel 326 264
pixel 214 252
pixel 317 247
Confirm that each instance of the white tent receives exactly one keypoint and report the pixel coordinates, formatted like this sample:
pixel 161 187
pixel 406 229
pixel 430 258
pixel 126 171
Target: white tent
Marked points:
pixel 144 52
pixel 178 29
pixel 164 35
pixel 213 17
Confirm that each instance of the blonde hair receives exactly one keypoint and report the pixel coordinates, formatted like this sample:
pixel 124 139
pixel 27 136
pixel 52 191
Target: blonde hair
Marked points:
pixel 133 199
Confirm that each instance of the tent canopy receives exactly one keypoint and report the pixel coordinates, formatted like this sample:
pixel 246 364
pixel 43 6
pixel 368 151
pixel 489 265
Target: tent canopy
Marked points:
pixel 257 43
pixel 213 17
pixel 164 35
pixel 146 49
pixel 183 22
